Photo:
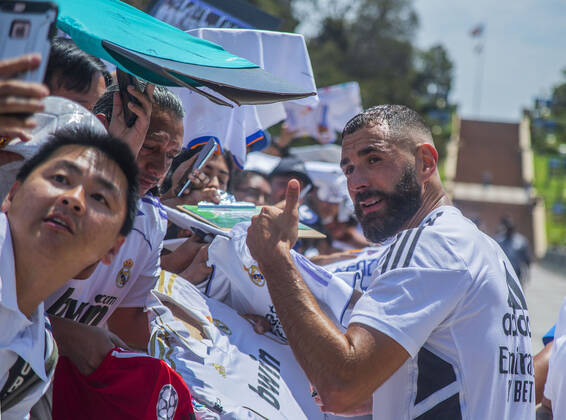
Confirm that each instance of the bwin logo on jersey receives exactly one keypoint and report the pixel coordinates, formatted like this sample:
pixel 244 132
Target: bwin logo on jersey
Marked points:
pixel 255 275
pixel 222 327
pixel 124 274
pixel 167 402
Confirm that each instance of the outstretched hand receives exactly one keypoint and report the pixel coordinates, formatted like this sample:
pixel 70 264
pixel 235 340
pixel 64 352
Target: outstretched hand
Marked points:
pixel 134 136
pixel 274 230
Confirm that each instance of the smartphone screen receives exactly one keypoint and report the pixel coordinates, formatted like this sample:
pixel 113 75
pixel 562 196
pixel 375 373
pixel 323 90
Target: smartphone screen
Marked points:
pixel 27 27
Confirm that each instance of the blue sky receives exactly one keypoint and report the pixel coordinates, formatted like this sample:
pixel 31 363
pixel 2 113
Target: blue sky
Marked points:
pixel 524 53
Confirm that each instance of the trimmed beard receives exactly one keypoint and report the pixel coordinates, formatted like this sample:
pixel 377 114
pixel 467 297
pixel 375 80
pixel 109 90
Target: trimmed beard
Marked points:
pixel 400 206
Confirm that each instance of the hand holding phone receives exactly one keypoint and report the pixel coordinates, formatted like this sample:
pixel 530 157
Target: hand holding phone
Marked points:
pixel 124 107
pixel 18 99
pixel 125 80
pixel 204 155
pixel 25 27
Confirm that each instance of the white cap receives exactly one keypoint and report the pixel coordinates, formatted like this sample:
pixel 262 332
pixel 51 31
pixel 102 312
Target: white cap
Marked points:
pixel 58 113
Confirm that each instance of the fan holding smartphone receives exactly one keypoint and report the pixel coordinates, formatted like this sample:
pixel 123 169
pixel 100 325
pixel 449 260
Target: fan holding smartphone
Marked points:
pixel 203 157
pixel 199 174
pixel 26 27
pixel 131 110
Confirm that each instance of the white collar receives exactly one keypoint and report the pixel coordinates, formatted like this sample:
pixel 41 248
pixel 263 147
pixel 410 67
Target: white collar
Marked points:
pixel 8 296
pixel 29 343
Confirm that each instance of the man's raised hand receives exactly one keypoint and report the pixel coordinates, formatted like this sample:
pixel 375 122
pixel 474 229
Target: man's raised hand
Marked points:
pixel 134 135
pixel 274 230
pixel 18 98
pixel 291 212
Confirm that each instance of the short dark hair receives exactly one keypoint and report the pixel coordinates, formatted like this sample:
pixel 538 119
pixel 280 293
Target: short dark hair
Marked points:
pixel 399 119
pixel 291 166
pixel 115 149
pixel 241 177
pixel 163 98
pixel 72 67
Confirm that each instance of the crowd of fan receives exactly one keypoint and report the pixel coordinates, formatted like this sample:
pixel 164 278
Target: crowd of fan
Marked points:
pixel 82 241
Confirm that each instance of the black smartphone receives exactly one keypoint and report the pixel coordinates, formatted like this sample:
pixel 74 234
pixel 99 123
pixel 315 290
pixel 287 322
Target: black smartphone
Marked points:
pixel 124 80
pixel 27 27
pixel 204 155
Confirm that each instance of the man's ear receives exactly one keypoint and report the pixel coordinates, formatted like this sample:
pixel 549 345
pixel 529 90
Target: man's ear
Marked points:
pixel 109 257
pixel 8 200
pixel 427 159
pixel 102 118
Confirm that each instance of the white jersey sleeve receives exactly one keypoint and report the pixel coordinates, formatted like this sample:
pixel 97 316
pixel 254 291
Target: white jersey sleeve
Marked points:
pixel 555 387
pixel 408 310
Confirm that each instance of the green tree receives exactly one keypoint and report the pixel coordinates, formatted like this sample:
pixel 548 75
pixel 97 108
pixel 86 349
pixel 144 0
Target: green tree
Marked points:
pixel 548 120
pixel 371 42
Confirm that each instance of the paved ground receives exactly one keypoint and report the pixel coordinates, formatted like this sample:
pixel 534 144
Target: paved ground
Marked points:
pixel 544 293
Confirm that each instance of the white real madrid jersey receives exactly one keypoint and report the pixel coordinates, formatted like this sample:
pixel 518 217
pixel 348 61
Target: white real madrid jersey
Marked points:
pixel 124 283
pixel 233 371
pixel 447 293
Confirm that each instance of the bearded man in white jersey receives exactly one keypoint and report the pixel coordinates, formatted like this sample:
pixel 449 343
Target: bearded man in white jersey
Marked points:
pixel 442 331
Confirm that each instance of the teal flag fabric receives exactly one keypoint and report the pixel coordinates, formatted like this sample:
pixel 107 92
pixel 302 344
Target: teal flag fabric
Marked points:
pixel 160 53
pixel 89 22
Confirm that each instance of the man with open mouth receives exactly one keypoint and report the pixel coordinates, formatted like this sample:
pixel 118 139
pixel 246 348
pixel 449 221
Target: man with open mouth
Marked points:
pixel 72 204
pixel 442 330
pixel 114 295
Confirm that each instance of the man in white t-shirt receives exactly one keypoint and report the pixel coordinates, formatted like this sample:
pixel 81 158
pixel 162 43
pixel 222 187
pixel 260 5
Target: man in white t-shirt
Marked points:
pixel 442 331
pixel 72 204
pixel 114 295
pixel 554 402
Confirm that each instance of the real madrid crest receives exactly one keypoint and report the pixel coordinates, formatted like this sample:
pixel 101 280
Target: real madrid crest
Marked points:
pixel 255 275
pixel 124 274
pixel 222 327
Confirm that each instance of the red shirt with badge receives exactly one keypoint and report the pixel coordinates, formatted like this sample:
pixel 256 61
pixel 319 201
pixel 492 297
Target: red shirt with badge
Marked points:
pixel 126 385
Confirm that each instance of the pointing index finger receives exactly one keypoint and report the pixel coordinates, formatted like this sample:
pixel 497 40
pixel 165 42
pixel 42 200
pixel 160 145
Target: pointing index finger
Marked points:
pixel 292 196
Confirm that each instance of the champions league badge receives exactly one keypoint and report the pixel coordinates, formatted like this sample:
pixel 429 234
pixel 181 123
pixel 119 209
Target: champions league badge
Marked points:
pixel 255 275
pixel 167 402
pixel 124 274
pixel 222 327
pixel 220 369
